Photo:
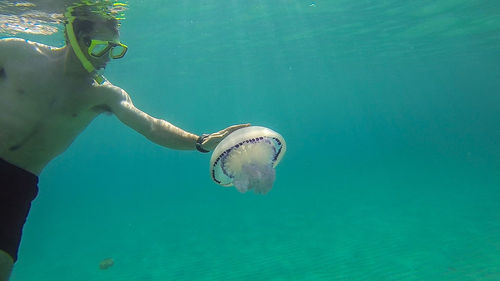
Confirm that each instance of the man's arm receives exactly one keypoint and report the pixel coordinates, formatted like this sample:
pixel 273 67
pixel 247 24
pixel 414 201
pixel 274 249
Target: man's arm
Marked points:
pixel 157 130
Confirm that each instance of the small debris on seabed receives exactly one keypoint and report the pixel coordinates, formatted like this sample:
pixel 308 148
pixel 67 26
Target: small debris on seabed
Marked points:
pixel 106 263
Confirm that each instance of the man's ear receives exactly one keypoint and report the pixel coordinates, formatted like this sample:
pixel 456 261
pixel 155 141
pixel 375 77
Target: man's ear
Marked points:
pixel 86 40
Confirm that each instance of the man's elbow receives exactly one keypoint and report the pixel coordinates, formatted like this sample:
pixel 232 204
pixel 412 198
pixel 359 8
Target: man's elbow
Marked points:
pixel 154 131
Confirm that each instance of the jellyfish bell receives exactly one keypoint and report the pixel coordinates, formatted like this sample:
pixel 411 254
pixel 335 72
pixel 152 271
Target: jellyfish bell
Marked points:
pixel 247 159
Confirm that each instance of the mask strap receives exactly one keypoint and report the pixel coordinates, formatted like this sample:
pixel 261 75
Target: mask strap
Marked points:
pixel 76 48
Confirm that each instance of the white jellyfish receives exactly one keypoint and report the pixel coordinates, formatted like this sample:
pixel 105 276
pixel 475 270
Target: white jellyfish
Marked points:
pixel 247 158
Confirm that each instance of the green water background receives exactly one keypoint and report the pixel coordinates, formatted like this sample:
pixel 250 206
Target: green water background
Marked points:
pixel 391 115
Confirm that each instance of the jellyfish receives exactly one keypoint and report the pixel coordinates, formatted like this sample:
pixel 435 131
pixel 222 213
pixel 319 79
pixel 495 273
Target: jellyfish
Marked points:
pixel 247 159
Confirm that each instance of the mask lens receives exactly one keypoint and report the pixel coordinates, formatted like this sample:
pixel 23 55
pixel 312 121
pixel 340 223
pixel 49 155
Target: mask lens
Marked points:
pixel 118 51
pixel 99 49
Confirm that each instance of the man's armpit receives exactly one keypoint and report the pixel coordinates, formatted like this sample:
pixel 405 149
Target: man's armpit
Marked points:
pixel 102 108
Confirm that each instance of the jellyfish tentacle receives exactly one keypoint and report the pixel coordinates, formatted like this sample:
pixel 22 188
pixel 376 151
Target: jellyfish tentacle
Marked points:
pixel 242 183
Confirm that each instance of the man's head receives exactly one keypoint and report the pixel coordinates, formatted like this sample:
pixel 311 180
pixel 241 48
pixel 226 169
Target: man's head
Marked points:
pixel 93 37
pixel 103 31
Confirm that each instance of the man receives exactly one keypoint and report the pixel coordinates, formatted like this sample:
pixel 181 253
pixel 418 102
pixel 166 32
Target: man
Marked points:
pixel 47 97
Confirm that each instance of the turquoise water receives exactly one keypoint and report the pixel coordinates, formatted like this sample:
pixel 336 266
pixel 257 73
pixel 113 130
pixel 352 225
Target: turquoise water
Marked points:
pixel 391 114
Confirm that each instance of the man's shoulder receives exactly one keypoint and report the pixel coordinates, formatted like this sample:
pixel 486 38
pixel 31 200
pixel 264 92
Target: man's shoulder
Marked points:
pixel 14 43
pixel 111 91
pixel 110 94
pixel 10 46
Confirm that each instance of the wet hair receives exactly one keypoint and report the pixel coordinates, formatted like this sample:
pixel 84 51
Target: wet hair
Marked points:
pixel 86 18
pixel 84 27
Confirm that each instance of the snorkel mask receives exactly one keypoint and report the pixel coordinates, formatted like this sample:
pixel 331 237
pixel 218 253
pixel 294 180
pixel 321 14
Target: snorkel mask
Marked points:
pixel 97 48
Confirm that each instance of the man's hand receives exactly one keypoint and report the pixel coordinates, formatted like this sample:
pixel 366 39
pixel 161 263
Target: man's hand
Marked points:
pixel 210 142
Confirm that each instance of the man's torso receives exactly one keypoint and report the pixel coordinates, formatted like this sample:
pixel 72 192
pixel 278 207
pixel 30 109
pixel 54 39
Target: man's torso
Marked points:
pixel 42 110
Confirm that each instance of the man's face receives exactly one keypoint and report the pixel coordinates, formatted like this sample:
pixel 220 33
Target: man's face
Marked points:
pixel 101 32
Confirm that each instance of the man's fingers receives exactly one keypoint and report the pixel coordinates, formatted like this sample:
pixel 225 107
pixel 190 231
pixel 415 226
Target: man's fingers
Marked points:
pixel 239 126
pixel 215 136
pixel 233 128
pixel 228 130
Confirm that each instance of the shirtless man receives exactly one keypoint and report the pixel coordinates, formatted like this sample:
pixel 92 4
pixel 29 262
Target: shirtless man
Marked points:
pixel 47 97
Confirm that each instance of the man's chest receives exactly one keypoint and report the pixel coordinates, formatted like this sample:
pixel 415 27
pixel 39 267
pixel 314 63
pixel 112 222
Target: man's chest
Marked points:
pixel 44 92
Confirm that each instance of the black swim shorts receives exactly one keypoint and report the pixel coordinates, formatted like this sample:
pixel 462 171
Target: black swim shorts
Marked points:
pixel 18 188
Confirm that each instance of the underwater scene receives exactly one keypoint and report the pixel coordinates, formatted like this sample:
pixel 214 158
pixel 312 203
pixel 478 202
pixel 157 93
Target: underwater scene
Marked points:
pixel 391 115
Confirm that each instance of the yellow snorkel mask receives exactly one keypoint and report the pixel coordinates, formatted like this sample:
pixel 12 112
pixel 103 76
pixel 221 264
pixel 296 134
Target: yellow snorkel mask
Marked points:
pixel 97 48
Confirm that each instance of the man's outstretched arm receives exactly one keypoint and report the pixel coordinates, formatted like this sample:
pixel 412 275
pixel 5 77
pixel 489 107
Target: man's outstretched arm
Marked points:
pixel 157 130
